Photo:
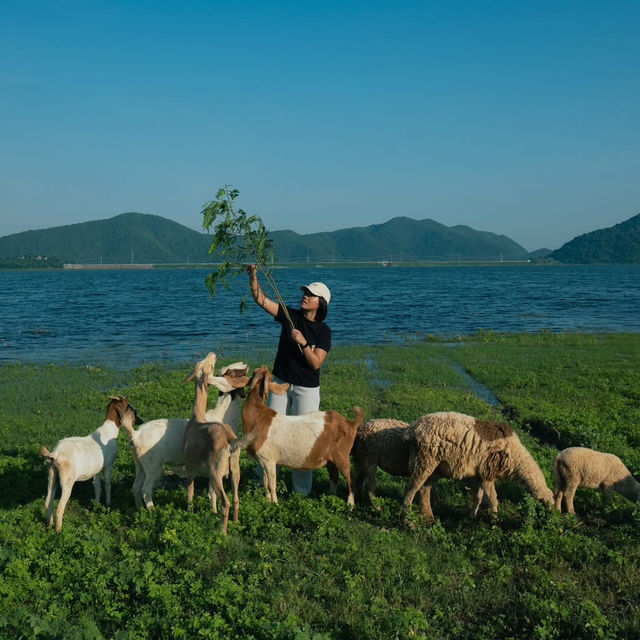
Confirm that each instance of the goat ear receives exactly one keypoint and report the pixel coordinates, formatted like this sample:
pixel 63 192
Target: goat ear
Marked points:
pixel 278 389
pixel 236 369
pixel 221 383
pixel 259 375
pixel 241 382
pixel 190 377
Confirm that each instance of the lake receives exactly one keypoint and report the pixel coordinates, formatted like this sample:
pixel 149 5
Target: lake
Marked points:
pixel 123 318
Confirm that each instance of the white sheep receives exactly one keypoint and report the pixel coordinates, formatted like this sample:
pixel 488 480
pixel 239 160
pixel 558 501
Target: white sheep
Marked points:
pixel 309 441
pixel 580 467
pixel 82 458
pixel 455 445
pixel 206 446
pixel 382 442
pixel 160 442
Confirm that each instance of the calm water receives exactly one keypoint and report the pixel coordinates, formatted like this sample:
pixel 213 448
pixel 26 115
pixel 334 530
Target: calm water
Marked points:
pixel 123 318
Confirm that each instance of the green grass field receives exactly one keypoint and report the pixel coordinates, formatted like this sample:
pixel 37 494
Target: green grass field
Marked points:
pixel 311 567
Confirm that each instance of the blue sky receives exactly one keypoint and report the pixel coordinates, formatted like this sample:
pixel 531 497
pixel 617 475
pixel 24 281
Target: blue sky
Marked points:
pixel 520 118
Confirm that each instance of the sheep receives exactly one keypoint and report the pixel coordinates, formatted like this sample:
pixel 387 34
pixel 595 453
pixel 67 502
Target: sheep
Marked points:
pixel 300 442
pixel 455 445
pixel 382 443
pixel 160 442
pixel 379 443
pixel 580 467
pixel 206 446
pixel 81 458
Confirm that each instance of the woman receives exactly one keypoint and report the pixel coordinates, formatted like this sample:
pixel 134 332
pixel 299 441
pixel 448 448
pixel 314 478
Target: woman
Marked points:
pixel 301 353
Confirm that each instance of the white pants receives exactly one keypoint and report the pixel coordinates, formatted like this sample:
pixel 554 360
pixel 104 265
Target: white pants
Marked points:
pixel 296 402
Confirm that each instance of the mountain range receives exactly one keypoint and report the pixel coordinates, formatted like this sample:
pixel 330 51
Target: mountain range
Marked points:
pixel 144 238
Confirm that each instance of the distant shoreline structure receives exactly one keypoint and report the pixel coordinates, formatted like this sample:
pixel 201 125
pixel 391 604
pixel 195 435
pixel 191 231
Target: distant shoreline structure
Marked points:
pixel 319 265
pixel 108 266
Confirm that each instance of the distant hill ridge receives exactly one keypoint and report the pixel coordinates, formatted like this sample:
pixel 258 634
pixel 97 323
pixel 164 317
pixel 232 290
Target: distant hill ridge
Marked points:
pixel 619 244
pixel 145 238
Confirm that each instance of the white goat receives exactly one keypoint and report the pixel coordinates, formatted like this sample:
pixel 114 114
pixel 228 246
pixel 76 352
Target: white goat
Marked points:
pixel 580 467
pixel 82 458
pixel 206 446
pixel 161 442
pixel 308 441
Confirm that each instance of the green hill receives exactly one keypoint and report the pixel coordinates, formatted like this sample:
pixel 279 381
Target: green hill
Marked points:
pixel 143 238
pixel 126 238
pixel 399 239
pixel 619 244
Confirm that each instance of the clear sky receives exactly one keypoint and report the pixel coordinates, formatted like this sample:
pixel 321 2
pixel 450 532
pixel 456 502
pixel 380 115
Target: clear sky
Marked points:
pixel 520 118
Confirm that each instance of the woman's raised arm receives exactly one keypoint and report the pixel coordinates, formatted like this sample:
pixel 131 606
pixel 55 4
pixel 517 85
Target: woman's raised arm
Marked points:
pixel 258 295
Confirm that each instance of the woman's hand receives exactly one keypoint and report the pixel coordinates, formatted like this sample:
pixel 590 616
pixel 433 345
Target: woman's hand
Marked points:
pixel 296 336
pixel 252 270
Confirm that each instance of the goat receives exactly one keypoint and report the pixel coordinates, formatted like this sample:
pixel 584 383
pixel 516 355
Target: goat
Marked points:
pixel 206 446
pixel 81 458
pixel 300 442
pixel 161 442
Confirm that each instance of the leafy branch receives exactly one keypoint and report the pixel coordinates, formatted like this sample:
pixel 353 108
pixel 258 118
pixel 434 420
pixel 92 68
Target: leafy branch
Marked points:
pixel 238 239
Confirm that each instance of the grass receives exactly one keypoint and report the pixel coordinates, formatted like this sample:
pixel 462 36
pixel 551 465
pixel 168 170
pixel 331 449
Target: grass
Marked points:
pixel 311 567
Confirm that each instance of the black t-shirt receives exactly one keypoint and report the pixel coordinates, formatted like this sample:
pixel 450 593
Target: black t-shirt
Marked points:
pixel 290 364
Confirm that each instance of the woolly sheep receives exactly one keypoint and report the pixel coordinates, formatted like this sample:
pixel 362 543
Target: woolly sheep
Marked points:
pixel 455 445
pixel 379 443
pixel 580 467
pixel 382 443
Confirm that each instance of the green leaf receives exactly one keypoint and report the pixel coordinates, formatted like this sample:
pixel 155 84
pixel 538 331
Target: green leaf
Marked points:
pixel 238 239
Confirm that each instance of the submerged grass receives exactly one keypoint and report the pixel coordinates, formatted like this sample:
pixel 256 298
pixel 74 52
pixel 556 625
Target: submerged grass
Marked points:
pixel 311 567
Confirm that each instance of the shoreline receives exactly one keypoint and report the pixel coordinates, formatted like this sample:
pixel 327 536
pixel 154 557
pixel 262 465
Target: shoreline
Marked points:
pixel 319 265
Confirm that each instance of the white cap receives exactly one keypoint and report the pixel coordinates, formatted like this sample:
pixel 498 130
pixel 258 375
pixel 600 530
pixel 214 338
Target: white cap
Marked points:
pixel 319 289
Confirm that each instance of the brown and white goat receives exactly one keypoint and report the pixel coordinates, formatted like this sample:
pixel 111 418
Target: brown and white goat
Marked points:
pixel 206 446
pixel 82 458
pixel 308 441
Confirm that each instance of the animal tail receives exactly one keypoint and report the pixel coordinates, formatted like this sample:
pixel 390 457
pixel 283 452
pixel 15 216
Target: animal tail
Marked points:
pixel 358 420
pixel 45 453
pixel 558 480
pixel 242 443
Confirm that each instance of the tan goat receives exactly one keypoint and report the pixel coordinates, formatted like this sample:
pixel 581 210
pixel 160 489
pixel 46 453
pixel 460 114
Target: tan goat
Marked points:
pixel 206 446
